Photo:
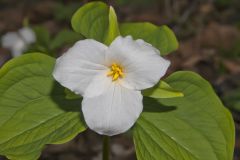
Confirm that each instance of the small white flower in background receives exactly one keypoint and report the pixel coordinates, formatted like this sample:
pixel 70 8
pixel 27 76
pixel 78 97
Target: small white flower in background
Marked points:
pixel 18 41
pixel 110 80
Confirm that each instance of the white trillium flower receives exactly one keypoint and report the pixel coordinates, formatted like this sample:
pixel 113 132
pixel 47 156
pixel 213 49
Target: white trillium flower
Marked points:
pixel 17 42
pixel 110 79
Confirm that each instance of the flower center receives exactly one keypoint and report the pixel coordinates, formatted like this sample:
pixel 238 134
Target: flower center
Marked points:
pixel 115 71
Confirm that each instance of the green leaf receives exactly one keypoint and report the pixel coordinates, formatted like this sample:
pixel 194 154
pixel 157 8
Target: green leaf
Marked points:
pixel 33 108
pixel 63 12
pixel 162 90
pixel 232 99
pixel 113 30
pixel 42 36
pixel 160 37
pixel 42 41
pixel 65 37
pixel 194 127
pixel 71 95
pixel 96 20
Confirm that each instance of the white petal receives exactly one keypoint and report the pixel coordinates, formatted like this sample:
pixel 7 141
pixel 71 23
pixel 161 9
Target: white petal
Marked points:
pixel 113 112
pixel 18 48
pixel 10 39
pixel 99 84
pixel 16 53
pixel 80 65
pixel 27 34
pixel 142 64
pixel 14 42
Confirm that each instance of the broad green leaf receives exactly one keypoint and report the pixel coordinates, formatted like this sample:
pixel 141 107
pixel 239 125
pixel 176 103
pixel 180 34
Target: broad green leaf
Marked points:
pixel 65 37
pixel 96 20
pixel 162 90
pixel 161 37
pixel 33 108
pixel 194 127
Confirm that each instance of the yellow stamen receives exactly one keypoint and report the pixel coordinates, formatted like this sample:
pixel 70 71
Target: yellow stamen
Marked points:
pixel 115 71
pixel 115 77
pixel 110 73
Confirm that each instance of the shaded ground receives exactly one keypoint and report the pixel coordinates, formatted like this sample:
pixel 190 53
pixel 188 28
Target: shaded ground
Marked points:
pixel 209 37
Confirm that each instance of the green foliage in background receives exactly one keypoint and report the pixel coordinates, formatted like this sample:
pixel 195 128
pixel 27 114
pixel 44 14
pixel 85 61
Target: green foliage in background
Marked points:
pixel 233 52
pixel 63 12
pixel 137 3
pixel 223 3
pixel 49 45
pixel 232 99
pixel 160 37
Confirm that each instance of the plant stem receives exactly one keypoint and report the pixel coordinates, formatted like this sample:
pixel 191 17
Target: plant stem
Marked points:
pixel 106 148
